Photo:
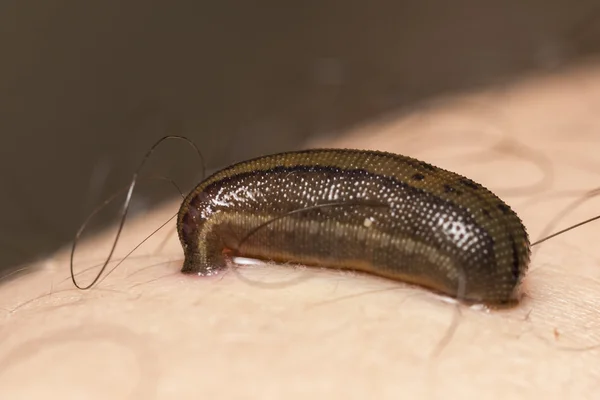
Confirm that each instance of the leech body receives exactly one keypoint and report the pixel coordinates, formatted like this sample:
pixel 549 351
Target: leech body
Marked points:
pixel 435 228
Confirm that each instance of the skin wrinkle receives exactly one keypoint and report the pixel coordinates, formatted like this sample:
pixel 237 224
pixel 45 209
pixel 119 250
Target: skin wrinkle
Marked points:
pixel 200 334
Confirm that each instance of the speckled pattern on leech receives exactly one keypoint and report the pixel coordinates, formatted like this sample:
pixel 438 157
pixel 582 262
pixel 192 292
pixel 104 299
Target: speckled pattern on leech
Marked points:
pixel 402 219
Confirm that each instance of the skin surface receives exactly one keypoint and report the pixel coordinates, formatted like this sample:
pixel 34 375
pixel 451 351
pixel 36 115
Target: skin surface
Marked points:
pixel 275 332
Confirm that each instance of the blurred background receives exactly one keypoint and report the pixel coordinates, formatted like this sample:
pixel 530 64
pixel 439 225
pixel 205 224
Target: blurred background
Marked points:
pixel 87 87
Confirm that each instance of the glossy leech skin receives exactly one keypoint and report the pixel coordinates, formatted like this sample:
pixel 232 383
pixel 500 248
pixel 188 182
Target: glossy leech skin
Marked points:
pixel 431 227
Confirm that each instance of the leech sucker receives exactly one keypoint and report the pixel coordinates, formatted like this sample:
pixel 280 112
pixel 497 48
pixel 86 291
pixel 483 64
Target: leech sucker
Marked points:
pixel 435 228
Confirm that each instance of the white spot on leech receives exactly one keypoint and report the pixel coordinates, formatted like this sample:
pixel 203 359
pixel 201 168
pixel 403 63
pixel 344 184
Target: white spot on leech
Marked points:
pixel 250 195
pixel 368 222
pixel 453 229
pixel 247 261
pixel 221 202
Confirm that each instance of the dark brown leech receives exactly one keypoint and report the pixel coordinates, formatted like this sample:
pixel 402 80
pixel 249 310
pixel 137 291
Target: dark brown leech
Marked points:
pixel 429 233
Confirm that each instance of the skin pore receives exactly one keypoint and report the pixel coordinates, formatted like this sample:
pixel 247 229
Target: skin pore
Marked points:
pixel 275 332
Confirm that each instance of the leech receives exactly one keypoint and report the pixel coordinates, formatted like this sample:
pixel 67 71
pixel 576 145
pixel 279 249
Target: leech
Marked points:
pixel 370 211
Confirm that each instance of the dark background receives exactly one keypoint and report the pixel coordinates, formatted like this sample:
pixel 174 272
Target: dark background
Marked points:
pixel 87 87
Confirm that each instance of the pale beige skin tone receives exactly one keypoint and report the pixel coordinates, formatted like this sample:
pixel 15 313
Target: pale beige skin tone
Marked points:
pixel 274 332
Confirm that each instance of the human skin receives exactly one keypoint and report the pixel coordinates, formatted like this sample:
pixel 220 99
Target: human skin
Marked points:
pixel 276 331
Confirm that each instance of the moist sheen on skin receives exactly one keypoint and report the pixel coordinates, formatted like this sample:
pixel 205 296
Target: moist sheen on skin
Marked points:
pixel 382 213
